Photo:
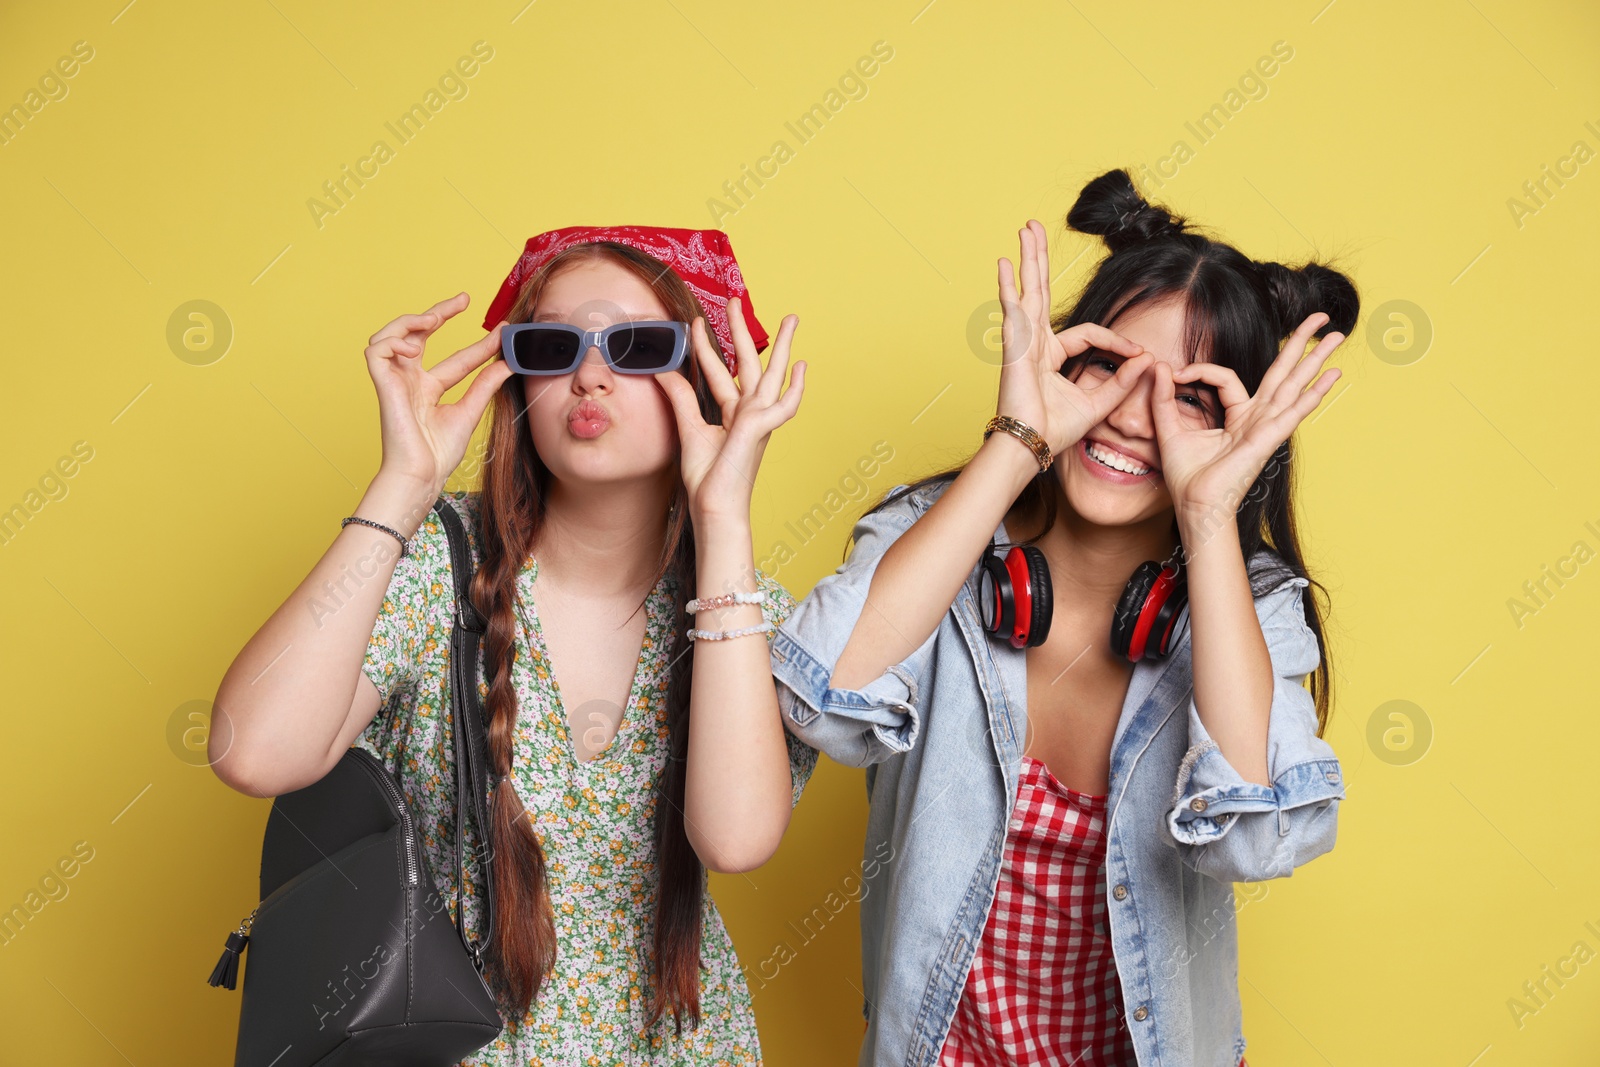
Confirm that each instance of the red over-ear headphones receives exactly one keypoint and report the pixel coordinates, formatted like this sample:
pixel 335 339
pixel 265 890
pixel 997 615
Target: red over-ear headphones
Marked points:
pixel 1014 601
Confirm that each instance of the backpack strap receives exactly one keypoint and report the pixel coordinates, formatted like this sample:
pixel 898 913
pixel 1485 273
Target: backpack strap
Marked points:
pixel 470 727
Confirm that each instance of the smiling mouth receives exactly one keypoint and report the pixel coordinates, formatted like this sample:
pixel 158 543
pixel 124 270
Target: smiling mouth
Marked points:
pixel 1114 460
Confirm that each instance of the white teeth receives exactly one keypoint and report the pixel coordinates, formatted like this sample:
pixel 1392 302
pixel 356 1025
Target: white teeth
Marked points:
pixel 1115 461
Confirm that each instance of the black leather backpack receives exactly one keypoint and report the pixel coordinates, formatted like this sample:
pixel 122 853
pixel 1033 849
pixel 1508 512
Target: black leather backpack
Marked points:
pixel 353 957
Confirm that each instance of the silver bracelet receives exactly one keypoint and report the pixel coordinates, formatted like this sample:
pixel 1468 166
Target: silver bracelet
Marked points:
pixel 723 600
pixel 721 635
pixel 405 546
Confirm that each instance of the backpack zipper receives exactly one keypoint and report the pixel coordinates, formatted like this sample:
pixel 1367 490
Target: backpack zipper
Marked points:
pixel 398 801
pixel 226 971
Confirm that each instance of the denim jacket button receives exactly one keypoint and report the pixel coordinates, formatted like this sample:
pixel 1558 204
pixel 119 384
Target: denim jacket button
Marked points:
pixel 1120 892
pixel 1141 1013
pixel 1197 804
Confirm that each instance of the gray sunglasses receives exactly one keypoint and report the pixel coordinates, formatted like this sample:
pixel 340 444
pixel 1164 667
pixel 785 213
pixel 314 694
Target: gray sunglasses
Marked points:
pixel 644 347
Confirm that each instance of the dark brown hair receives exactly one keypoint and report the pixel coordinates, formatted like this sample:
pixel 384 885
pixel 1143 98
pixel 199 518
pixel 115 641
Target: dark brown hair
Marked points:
pixel 1237 314
pixel 512 512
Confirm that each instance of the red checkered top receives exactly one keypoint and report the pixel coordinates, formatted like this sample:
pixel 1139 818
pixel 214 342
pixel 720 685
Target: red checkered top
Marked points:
pixel 1043 986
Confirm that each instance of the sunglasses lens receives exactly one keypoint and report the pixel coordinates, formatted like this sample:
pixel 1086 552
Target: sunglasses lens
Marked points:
pixel 545 351
pixel 643 349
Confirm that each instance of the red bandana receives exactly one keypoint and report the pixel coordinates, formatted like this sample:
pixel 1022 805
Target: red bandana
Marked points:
pixel 702 258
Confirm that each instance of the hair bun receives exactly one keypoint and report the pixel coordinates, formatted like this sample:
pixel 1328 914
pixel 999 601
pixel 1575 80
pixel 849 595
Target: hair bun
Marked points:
pixel 1297 293
pixel 1110 207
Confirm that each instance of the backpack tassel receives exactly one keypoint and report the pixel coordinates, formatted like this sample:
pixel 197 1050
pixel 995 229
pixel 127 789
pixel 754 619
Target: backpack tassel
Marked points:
pixel 226 972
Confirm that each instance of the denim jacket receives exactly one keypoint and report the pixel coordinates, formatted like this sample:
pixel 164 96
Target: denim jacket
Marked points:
pixel 941 733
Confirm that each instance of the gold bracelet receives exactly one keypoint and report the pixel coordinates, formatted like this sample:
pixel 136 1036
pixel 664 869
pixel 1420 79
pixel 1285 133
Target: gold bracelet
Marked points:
pixel 1024 433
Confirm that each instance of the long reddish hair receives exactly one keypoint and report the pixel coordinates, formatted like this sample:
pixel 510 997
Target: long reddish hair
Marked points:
pixel 512 511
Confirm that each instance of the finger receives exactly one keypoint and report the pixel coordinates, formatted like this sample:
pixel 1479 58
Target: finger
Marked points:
pixel 392 348
pixel 746 358
pixel 1320 388
pixel 404 326
pixel 482 390
pixel 425 323
pixel 1289 357
pixel 685 404
pixel 1052 355
pixel 1104 397
pixel 1308 367
pixel 452 369
pixel 1230 390
pixel 1164 404
pixel 1013 319
pixel 788 404
pixel 1271 433
pixel 1029 261
pixel 723 390
pixel 771 382
pixel 1009 297
pixel 1308 401
pixel 1300 368
pixel 1078 339
pixel 1041 242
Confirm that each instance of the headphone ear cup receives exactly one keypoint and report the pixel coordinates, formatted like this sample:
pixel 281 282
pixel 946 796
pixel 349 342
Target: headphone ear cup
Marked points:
pixel 1160 641
pixel 996 601
pixel 1125 619
pixel 1040 603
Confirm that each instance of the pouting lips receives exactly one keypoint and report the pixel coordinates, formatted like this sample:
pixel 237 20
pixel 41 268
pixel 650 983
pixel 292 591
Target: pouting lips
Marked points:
pixel 588 420
pixel 588 409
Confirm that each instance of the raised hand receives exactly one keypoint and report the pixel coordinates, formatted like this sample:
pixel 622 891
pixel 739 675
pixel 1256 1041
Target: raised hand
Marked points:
pixel 423 439
pixel 719 463
pixel 1210 470
pixel 1032 387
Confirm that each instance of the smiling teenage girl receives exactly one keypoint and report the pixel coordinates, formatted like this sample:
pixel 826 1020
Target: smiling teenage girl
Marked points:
pixel 617 486
pixel 1057 814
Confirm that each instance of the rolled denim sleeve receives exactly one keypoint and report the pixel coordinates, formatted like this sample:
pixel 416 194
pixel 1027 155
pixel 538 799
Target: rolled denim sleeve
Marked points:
pixel 855 727
pixel 1236 830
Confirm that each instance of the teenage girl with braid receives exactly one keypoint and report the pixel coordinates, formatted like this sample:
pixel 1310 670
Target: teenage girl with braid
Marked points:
pixel 1058 816
pixel 626 760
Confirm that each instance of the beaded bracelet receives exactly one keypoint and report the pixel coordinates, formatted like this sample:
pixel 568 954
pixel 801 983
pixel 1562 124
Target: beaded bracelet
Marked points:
pixel 724 600
pixel 721 635
pixel 405 546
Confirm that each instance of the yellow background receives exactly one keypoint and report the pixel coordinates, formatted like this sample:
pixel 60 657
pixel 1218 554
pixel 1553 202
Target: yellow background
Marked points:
pixel 179 165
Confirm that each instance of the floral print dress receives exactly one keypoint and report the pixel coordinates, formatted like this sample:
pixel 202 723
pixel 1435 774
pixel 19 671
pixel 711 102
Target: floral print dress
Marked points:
pixel 595 820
